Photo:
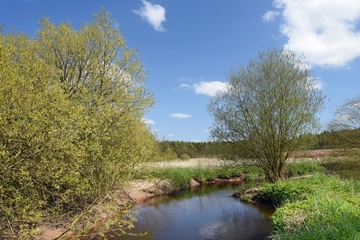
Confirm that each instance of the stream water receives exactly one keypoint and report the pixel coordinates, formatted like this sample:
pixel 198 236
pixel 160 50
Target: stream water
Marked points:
pixel 202 212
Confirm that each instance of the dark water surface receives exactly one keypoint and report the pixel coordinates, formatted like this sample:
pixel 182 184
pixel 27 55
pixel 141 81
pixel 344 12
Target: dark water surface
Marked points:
pixel 203 212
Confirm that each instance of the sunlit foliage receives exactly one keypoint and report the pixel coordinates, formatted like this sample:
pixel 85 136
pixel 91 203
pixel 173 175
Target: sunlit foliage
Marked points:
pixel 71 125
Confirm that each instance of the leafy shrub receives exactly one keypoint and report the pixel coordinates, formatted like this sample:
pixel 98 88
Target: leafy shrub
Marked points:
pixel 68 134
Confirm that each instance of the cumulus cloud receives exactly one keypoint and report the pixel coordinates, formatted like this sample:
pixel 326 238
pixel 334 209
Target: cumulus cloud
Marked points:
pixel 209 88
pixel 270 16
pixel 153 14
pixel 180 115
pixel 204 87
pixel 324 30
pixel 170 135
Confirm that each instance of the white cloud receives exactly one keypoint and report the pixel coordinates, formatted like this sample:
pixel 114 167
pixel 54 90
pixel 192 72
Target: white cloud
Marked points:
pixel 209 88
pixel 319 84
pixel 200 86
pixel 153 14
pixel 170 135
pixel 180 115
pixel 270 16
pixel 184 85
pixel 324 30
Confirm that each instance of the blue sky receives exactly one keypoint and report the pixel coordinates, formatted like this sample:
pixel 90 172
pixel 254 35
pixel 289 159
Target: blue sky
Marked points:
pixel 188 46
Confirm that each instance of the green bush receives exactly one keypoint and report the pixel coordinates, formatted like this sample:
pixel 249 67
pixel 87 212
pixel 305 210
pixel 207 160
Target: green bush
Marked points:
pixel 71 122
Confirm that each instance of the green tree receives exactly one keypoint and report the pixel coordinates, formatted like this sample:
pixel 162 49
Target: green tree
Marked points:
pixel 71 126
pixel 271 102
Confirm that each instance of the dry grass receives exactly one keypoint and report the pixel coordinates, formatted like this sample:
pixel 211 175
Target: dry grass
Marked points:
pixel 191 163
pixel 300 156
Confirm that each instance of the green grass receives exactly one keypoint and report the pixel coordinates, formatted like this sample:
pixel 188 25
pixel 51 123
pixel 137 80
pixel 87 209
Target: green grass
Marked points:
pixel 181 176
pixel 320 207
pixel 301 169
pixel 345 167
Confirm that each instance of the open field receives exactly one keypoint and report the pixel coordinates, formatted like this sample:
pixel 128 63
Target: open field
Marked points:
pixel 299 156
pixel 191 163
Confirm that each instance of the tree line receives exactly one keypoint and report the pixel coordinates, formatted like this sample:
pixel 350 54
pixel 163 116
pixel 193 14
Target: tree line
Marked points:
pixel 171 150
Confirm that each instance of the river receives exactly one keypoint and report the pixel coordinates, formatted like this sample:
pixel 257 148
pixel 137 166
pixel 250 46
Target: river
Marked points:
pixel 202 212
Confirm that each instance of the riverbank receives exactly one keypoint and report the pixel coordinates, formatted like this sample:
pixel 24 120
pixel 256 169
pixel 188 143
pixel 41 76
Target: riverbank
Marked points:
pixel 167 177
pixel 150 182
pixel 317 207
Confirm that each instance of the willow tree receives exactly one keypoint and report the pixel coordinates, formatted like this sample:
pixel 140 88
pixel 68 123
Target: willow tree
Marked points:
pixel 345 126
pixel 72 103
pixel 271 102
pixel 96 69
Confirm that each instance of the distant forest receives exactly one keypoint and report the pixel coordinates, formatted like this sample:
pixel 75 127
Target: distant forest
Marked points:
pixel 231 150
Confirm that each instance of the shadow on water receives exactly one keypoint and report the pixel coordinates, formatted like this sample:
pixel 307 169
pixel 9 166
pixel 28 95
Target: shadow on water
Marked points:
pixel 203 212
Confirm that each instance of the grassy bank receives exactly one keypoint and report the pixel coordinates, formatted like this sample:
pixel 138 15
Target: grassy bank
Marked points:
pixel 319 207
pixel 181 176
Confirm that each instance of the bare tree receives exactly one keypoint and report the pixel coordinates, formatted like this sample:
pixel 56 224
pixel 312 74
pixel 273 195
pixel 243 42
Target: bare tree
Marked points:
pixel 346 124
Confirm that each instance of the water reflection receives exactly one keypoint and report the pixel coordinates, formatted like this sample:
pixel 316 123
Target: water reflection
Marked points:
pixel 206 212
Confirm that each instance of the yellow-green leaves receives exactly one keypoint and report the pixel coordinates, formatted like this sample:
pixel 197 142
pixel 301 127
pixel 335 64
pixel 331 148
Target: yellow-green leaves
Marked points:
pixel 72 103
